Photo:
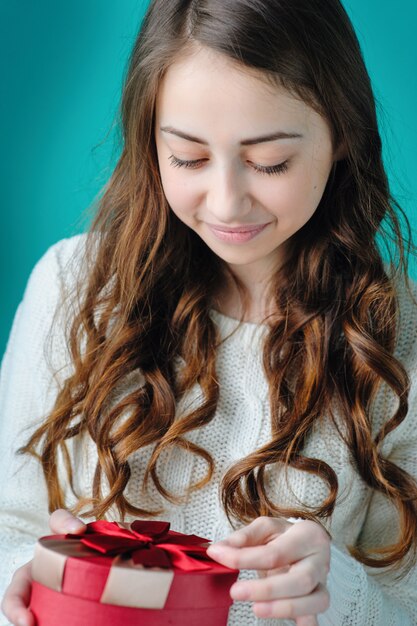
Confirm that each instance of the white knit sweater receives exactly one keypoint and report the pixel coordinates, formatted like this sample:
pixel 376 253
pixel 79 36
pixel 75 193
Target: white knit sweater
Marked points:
pixel 359 596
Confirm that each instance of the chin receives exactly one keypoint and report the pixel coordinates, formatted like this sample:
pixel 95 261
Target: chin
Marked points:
pixel 239 257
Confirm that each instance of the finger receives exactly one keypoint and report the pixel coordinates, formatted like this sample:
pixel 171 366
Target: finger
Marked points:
pixel 278 570
pixel 257 557
pixel 293 608
pixel 17 596
pixel 261 530
pixel 62 521
pixel 297 542
pixel 300 580
pixel 307 620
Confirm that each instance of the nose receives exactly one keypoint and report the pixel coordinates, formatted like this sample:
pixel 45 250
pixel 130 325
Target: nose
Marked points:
pixel 227 198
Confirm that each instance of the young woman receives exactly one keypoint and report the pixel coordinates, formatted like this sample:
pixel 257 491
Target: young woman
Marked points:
pixel 226 349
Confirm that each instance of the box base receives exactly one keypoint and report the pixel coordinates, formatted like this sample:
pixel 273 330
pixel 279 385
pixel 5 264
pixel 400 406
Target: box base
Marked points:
pixel 51 608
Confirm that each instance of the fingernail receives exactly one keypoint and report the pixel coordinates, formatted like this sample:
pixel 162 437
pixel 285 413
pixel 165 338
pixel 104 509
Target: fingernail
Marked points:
pixel 215 548
pixel 74 526
pixel 239 592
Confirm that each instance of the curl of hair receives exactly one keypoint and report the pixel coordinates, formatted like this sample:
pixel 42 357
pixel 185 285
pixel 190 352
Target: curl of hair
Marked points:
pixel 151 284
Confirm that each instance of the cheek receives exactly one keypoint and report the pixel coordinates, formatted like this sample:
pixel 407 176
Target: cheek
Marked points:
pixel 180 196
pixel 296 198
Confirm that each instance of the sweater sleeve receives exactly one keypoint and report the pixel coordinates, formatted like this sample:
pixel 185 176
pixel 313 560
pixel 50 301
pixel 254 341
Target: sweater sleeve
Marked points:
pixel 28 390
pixel 379 597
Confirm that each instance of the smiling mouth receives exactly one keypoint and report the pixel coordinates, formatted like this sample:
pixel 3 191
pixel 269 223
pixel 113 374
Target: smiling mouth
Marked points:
pixel 238 229
pixel 237 235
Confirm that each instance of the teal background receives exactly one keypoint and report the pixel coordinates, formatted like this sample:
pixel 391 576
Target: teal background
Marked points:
pixel 61 67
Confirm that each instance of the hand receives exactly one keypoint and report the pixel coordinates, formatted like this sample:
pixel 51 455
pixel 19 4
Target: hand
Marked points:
pixel 16 599
pixel 292 560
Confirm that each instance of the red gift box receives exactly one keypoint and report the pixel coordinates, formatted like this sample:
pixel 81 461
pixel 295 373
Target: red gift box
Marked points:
pixel 139 574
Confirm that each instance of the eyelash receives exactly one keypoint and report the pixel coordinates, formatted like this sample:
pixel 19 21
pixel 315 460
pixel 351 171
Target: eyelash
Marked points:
pixel 280 168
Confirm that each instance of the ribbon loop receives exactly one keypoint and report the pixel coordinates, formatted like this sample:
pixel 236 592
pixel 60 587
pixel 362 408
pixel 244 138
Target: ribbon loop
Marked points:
pixel 151 544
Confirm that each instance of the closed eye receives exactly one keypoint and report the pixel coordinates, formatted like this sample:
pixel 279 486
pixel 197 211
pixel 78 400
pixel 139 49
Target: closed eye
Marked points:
pixel 175 162
pixel 262 169
pixel 280 168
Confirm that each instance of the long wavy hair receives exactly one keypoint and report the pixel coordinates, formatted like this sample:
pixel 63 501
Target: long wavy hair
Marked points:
pixel 151 282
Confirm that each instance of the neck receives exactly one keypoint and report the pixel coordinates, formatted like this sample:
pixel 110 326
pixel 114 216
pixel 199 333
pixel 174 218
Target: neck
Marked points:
pixel 256 307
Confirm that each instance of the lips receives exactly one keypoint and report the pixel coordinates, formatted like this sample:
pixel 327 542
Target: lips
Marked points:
pixel 240 234
pixel 238 229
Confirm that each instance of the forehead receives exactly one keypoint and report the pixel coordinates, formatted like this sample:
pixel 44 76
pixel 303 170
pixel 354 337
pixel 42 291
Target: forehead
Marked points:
pixel 208 88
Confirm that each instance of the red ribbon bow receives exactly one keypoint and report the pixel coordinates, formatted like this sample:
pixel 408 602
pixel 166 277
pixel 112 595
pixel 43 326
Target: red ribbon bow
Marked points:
pixel 149 543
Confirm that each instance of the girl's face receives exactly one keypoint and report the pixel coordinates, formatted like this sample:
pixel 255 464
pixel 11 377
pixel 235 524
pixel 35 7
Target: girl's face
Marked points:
pixel 243 164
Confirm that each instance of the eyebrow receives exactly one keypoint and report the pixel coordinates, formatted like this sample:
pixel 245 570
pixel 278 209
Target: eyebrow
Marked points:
pixel 246 142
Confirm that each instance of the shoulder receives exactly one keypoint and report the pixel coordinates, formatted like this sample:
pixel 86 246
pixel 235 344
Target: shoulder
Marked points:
pixel 385 403
pixel 51 283
pixel 59 266
pixel 404 436
pixel 406 343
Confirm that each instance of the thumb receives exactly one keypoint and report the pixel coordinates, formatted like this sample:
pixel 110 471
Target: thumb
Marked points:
pixel 62 521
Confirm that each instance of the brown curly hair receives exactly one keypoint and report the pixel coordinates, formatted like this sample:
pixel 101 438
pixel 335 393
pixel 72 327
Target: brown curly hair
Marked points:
pixel 151 283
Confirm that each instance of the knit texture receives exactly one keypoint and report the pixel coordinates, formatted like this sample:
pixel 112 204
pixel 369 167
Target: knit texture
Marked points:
pixel 28 386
